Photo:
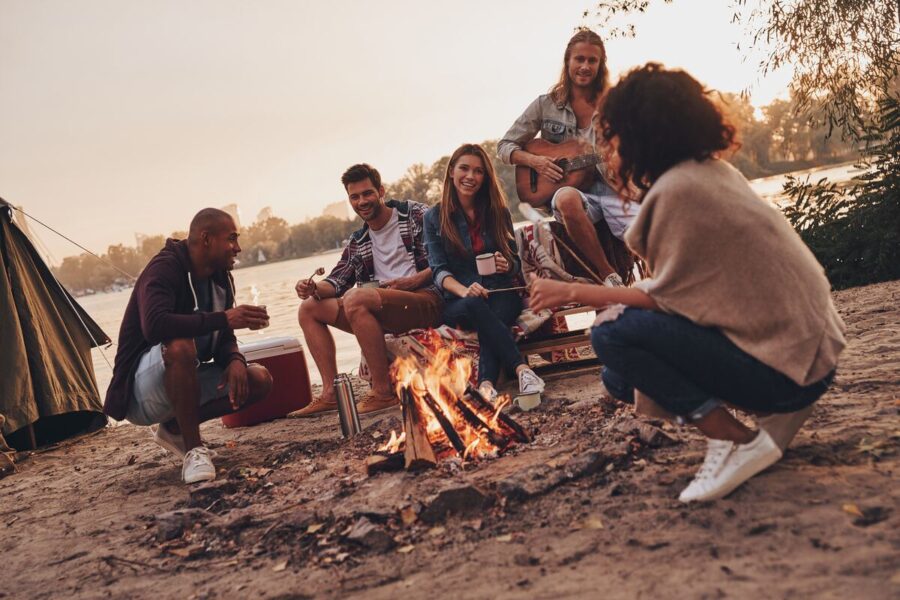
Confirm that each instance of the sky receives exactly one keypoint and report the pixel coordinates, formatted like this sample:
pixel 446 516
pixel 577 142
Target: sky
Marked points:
pixel 120 117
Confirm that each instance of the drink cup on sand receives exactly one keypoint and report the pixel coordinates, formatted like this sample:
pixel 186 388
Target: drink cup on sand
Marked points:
pixel 486 263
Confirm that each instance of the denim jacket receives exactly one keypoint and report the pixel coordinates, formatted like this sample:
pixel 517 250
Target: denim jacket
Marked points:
pixel 556 123
pixel 446 262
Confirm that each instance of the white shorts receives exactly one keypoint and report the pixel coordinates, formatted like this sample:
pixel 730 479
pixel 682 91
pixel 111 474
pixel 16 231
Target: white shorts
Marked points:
pixel 601 203
pixel 149 403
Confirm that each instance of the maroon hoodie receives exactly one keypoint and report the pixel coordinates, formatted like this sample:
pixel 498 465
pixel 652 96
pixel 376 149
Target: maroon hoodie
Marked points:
pixel 161 308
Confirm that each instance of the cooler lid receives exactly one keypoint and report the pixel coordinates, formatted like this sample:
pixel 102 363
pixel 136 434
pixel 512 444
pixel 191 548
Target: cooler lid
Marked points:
pixel 273 346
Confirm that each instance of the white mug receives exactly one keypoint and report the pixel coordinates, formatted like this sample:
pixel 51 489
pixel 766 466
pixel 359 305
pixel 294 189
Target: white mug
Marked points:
pixel 486 263
pixel 528 402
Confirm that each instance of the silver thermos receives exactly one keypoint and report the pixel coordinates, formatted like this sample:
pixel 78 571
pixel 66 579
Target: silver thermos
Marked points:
pixel 346 405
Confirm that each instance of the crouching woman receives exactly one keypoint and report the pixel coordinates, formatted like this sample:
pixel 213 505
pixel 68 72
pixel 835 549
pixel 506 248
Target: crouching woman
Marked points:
pixel 737 311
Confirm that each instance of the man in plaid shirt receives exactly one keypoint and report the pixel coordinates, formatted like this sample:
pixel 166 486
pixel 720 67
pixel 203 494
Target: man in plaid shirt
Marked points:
pixel 386 258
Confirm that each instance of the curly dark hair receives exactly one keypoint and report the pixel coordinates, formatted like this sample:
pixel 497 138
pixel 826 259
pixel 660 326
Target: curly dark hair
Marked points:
pixel 661 118
pixel 361 172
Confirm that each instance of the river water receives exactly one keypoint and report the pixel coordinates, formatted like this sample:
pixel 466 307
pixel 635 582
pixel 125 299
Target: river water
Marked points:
pixel 274 286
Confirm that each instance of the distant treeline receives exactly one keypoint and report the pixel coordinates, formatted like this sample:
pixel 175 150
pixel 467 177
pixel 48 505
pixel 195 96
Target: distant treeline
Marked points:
pixel 779 142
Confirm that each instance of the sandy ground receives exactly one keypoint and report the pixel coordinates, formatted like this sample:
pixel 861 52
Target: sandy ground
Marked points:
pixel 589 509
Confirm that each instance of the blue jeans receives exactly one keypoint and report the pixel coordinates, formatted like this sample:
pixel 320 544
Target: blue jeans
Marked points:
pixel 492 319
pixel 689 370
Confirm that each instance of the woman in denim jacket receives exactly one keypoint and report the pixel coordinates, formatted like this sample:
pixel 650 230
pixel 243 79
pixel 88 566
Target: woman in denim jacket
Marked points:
pixel 472 219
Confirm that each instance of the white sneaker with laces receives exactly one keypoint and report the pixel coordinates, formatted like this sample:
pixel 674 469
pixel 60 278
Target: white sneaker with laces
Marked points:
pixel 172 442
pixel 488 391
pixel 716 453
pixel 198 466
pixel 741 463
pixel 613 280
pixel 530 383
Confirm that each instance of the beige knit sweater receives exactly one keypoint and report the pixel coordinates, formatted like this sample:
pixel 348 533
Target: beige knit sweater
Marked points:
pixel 721 257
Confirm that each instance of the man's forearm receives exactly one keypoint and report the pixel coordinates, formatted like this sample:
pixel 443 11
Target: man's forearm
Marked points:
pixel 422 278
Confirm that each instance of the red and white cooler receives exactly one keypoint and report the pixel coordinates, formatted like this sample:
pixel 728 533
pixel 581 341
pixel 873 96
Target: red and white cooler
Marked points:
pixel 286 361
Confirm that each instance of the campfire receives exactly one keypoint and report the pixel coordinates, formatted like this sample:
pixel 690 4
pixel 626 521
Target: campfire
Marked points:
pixel 444 416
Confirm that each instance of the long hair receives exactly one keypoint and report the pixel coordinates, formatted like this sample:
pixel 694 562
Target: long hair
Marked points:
pixel 661 117
pixel 561 92
pixel 489 198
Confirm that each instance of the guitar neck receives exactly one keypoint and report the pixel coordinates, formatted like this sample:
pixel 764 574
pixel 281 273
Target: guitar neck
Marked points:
pixel 582 161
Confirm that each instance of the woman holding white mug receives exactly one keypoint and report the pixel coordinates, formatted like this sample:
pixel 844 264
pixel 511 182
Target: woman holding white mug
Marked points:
pixel 472 251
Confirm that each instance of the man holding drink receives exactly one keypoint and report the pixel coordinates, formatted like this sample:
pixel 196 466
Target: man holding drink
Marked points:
pixel 178 364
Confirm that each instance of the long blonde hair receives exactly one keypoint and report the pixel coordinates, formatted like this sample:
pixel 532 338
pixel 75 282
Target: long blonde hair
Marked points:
pixel 561 92
pixel 490 196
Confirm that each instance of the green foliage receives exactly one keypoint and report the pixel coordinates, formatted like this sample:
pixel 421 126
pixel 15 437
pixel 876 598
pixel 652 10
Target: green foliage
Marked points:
pixel 855 232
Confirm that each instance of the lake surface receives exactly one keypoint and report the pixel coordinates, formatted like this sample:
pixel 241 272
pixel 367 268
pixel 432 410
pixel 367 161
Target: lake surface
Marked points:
pixel 274 286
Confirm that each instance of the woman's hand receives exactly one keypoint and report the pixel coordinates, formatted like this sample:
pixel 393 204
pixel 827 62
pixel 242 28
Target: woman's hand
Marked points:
pixel 546 293
pixel 501 262
pixel 476 290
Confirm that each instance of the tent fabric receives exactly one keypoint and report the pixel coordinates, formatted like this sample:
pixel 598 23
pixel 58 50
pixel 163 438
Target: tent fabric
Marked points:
pixel 45 350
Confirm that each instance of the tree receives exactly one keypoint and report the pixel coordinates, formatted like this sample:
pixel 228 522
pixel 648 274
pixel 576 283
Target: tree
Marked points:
pixel 844 53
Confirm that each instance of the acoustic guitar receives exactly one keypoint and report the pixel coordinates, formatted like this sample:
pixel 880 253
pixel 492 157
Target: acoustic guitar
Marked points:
pixel 577 159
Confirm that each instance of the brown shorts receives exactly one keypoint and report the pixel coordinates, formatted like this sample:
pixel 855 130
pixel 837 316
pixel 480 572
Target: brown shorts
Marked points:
pixel 401 311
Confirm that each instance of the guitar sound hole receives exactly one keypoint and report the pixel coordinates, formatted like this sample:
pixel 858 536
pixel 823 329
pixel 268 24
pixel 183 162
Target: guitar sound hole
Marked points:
pixel 563 163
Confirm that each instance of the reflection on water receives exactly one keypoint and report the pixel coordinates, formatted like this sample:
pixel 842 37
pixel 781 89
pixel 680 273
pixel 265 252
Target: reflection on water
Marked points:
pixel 273 286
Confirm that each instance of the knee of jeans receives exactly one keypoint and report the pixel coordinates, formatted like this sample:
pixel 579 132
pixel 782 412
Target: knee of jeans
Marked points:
pixel 601 339
pixel 180 351
pixel 616 385
pixel 473 305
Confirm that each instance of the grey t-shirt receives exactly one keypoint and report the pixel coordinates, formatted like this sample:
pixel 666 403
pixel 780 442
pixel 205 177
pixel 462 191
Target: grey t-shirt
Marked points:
pixel 204 343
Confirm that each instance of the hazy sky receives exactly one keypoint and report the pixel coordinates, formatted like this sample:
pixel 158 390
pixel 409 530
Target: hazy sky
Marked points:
pixel 125 116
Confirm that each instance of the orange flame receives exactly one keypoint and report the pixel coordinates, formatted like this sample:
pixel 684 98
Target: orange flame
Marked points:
pixel 445 379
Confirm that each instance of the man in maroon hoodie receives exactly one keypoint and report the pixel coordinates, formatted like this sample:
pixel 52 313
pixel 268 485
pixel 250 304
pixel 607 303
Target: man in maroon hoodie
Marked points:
pixel 179 318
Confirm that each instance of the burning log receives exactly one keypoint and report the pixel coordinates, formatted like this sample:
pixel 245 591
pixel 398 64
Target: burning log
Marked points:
pixel 384 462
pixel 449 431
pixel 514 429
pixel 418 452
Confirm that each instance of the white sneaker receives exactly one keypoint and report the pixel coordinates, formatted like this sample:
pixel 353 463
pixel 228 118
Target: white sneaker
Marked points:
pixel 530 383
pixel 716 453
pixel 742 462
pixel 172 442
pixel 198 466
pixel 613 280
pixel 488 391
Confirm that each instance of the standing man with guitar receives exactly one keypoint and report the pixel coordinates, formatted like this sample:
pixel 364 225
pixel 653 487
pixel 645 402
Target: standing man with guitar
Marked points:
pixel 561 168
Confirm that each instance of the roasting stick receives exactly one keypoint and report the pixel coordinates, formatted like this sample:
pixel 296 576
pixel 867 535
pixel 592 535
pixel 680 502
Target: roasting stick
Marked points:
pixel 510 289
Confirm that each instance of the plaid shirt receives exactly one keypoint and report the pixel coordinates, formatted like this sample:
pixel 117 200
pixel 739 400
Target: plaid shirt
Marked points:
pixel 356 264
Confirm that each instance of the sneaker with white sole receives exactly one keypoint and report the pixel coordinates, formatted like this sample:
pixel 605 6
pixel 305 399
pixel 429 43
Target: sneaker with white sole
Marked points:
pixel 198 466
pixel 530 383
pixel 488 391
pixel 613 280
pixel 716 453
pixel 742 462
pixel 173 442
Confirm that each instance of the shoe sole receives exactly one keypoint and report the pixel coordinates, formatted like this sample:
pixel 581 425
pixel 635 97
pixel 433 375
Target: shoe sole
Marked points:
pixel 378 410
pixel 742 476
pixel 200 480
pixel 324 411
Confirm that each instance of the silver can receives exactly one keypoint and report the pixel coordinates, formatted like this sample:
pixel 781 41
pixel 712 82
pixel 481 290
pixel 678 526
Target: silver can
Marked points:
pixel 346 405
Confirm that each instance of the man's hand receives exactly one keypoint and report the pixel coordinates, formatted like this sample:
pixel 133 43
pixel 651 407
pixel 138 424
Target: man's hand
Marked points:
pixel 247 315
pixel 406 284
pixel 305 288
pixel 476 290
pixel 501 262
pixel 546 293
pixel 546 166
pixel 236 378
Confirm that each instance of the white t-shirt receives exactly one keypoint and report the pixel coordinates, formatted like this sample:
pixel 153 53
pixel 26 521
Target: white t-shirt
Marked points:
pixel 388 252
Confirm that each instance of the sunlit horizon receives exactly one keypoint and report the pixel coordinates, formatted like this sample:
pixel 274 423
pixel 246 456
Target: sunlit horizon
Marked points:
pixel 128 117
